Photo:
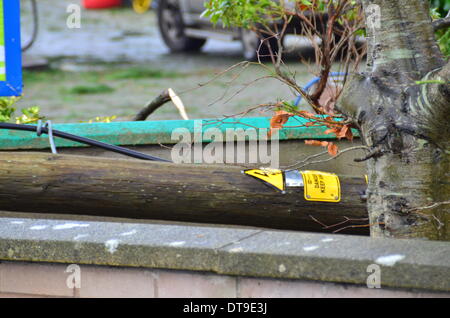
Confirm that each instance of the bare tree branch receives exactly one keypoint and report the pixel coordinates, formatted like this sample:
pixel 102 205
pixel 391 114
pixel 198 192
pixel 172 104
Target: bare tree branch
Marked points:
pixel 432 206
pixel 307 161
pixel 153 105
pixel 441 23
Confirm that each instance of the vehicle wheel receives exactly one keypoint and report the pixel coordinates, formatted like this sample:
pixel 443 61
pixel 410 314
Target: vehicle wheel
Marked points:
pixel 252 46
pixel 171 27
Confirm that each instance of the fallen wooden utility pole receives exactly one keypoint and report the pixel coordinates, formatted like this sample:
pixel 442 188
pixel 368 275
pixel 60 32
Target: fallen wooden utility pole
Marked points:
pixel 46 183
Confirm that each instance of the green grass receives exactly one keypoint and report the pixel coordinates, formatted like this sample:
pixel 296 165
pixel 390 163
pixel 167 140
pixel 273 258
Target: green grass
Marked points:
pixel 136 73
pixel 92 89
pixel 94 76
pixel 42 76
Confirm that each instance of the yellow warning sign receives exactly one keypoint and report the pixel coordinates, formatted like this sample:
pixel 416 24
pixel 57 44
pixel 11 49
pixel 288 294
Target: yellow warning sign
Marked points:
pixel 321 186
pixel 273 177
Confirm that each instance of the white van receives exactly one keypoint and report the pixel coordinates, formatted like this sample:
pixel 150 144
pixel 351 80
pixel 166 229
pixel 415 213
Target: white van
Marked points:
pixel 183 29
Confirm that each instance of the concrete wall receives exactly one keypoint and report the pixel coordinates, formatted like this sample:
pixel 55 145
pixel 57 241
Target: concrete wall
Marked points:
pixel 49 257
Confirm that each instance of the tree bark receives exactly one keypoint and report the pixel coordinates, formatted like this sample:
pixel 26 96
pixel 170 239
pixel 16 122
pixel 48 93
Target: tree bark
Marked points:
pixel 401 106
pixel 46 183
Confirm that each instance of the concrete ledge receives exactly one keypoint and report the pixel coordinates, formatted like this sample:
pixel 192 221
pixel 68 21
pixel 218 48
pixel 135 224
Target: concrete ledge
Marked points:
pixel 404 264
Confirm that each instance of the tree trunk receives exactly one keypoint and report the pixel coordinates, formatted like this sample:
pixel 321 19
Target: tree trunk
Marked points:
pixel 401 106
pixel 36 182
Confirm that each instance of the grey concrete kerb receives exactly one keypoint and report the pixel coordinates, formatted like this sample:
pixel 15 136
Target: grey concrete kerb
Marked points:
pixel 408 264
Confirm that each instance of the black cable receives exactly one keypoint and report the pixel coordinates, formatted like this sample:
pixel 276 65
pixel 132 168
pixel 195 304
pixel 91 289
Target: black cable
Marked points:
pixel 34 10
pixel 87 141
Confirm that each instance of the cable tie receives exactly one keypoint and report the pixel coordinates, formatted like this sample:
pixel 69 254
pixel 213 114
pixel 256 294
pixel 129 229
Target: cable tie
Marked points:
pixel 51 140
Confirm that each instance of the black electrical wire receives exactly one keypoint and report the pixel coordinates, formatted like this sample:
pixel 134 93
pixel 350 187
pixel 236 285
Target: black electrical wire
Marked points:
pixel 34 10
pixel 87 141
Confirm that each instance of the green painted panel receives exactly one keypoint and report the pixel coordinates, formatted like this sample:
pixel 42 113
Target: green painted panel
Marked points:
pixel 154 132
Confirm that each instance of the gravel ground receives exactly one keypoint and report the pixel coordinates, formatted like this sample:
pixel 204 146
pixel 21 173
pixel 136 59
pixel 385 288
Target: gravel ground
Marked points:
pixel 116 62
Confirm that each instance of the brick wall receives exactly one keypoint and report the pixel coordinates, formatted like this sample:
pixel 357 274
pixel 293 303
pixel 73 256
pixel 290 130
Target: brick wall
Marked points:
pixel 19 279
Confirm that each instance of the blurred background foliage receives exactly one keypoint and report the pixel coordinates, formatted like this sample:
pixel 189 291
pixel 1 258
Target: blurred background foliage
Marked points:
pixel 439 9
pixel 231 12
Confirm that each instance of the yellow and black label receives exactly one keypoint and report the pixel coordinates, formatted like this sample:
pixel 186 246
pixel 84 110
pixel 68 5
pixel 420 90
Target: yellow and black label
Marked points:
pixel 272 177
pixel 321 186
pixel 142 6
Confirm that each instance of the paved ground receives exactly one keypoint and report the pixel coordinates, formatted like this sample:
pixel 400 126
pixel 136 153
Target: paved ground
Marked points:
pixel 119 57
